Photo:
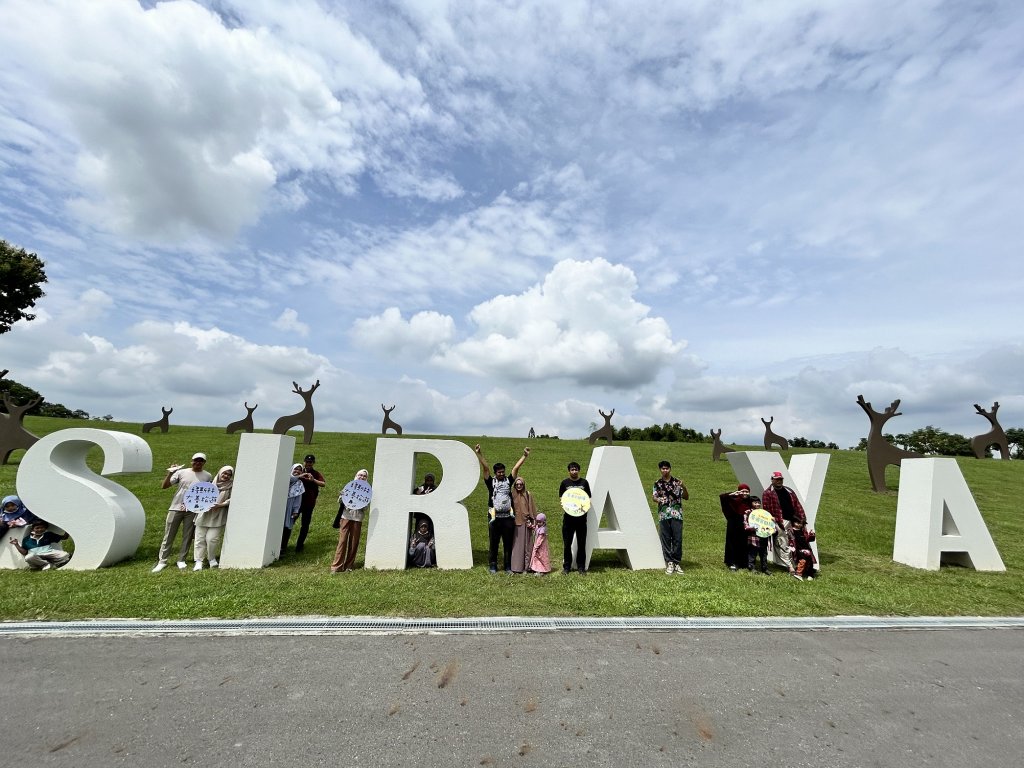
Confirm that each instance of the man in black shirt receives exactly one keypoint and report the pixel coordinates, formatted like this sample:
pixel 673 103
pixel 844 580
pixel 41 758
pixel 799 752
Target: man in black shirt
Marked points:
pixel 502 526
pixel 574 525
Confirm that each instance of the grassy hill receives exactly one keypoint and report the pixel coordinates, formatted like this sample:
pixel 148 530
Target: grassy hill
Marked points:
pixel 855 536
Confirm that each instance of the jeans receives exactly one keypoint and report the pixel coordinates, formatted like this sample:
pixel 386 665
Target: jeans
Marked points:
pixel 501 529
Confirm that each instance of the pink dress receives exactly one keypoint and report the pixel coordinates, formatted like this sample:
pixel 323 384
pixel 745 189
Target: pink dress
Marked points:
pixel 540 557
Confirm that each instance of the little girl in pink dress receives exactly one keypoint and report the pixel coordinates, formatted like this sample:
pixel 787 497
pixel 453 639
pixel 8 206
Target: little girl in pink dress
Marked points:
pixel 540 558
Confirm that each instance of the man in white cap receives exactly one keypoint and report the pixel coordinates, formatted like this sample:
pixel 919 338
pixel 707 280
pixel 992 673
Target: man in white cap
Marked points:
pixel 178 516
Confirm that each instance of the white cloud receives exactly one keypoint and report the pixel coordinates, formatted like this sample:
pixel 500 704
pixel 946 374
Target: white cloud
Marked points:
pixel 288 321
pixel 582 324
pixel 389 335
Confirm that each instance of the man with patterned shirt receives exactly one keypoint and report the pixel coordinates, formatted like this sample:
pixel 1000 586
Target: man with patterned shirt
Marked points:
pixel 669 494
pixel 781 502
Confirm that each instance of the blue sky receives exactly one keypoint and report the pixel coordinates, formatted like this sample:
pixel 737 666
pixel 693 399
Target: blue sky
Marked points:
pixel 499 216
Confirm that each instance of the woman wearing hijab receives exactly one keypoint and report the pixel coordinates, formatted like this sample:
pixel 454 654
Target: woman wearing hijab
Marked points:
pixel 525 511
pixel 291 508
pixel 211 523
pixel 14 514
pixel 350 530
pixel 735 506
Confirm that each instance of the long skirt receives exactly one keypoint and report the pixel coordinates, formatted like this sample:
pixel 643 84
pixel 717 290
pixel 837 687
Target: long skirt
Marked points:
pixel 522 548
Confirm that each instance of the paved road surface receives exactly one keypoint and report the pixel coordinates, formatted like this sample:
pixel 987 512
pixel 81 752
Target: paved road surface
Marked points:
pixel 707 698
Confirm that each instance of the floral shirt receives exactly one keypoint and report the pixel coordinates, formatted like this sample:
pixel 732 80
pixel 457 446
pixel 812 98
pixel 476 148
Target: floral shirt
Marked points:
pixel 668 495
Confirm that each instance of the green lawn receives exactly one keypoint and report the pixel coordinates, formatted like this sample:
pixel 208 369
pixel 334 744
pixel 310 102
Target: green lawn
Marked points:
pixel 855 536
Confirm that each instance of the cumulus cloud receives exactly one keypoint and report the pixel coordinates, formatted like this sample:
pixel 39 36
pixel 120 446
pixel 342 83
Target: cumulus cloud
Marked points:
pixel 184 124
pixel 288 321
pixel 581 324
pixel 390 335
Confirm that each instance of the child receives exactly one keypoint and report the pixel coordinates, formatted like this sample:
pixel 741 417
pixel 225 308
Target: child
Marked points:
pixel 800 551
pixel 540 557
pixel 38 548
pixel 756 545
pixel 421 547
pixel 14 514
pixel 291 507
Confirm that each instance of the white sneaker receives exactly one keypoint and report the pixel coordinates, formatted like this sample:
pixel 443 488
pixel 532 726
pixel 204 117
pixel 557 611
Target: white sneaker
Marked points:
pixel 670 568
pixel 679 570
pixel 182 565
pixel 47 567
pixel 159 567
pixel 198 566
pixel 214 563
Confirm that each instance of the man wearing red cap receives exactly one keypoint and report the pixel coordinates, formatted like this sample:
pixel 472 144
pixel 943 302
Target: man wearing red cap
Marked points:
pixel 735 505
pixel 781 502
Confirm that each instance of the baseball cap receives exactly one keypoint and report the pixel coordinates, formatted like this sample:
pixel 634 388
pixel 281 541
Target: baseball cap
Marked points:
pixel 776 474
pixel 198 456
pixel 310 457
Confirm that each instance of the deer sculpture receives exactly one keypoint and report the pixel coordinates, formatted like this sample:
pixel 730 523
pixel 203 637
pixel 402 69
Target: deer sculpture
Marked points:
pixel 717 449
pixel 243 425
pixel 163 424
pixel 13 434
pixel 531 434
pixel 995 436
pixel 388 423
pixel 770 438
pixel 606 432
pixel 882 453
pixel 303 418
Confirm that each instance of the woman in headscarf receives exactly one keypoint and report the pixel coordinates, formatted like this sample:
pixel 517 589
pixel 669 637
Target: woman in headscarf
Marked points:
pixel 735 506
pixel 349 532
pixel 291 508
pixel 525 511
pixel 14 514
pixel 211 523
pixel 421 547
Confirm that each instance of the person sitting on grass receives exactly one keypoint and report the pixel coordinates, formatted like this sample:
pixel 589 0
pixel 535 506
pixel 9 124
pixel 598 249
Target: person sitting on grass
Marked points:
pixel 421 547
pixel 38 550
pixel 800 552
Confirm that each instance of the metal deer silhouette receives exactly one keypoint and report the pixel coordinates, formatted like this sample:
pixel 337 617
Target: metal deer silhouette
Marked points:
pixel 717 449
pixel 243 425
pixel 607 431
pixel 13 434
pixel 303 418
pixel 770 438
pixel 995 436
pixel 162 423
pixel 882 453
pixel 388 423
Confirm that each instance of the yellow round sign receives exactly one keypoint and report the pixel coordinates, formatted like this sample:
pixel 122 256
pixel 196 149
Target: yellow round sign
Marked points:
pixel 575 502
pixel 762 522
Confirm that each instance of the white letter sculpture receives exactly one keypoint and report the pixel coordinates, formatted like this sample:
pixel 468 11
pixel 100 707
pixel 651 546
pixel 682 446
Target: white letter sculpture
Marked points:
pixel 630 529
pixel 252 537
pixel 938 519
pixel 394 467
pixel 105 520
pixel 806 476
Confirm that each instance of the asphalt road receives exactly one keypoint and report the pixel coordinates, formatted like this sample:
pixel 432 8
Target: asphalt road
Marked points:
pixel 707 698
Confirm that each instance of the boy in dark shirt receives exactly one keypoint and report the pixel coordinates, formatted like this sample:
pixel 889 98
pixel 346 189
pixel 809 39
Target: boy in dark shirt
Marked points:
pixel 38 550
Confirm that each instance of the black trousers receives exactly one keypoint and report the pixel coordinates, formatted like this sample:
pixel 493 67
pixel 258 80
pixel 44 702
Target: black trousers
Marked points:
pixel 305 517
pixel 501 530
pixel 753 550
pixel 574 526
pixel 671 532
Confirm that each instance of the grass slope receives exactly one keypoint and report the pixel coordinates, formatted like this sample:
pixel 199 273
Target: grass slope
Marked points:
pixel 855 537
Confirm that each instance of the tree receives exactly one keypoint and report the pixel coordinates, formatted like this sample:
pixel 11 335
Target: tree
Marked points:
pixel 21 274
pixel 1015 437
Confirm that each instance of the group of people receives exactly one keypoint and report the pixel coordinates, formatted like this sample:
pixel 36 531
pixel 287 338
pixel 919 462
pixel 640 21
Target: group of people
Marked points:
pixel 34 539
pixel 777 521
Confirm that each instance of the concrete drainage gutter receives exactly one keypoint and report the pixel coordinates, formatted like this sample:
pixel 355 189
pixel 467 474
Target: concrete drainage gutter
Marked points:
pixel 482 625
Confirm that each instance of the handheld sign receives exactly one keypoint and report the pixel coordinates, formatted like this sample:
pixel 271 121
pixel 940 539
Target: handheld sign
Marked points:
pixel 575 502
pixel 201 496
pixel 762 522
pixel 356 494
